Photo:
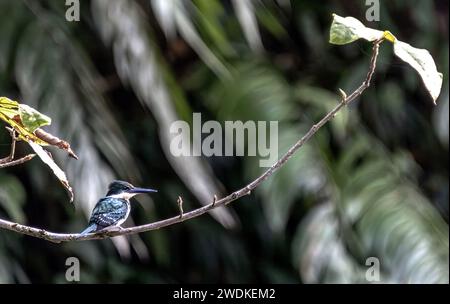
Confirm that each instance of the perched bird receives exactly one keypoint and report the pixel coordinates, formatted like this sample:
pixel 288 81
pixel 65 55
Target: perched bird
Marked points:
pixel 114 208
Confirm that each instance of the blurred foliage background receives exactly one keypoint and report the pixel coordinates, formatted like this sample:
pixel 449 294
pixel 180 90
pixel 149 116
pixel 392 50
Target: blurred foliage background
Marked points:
pixel 373 183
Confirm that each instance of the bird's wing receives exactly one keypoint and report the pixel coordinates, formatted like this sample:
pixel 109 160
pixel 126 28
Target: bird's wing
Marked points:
pixel 109 211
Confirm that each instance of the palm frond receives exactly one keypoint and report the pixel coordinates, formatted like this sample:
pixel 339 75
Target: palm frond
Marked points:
pixel 259 93
pixel 54 78
pixel 378 214
pixel 122 25
pixel 173 17
pixel 245 13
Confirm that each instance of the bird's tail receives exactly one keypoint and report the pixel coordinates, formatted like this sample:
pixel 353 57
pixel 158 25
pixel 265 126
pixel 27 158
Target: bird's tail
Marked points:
pixel 89 229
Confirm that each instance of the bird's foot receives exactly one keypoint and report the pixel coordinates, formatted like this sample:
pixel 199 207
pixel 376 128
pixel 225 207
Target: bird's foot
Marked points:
pixel 113 229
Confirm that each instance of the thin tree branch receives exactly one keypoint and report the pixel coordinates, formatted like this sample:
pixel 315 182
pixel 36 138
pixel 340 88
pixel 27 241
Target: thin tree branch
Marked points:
pixel 9 160
pixel 17 161
pixel 59 237
pixel 10 157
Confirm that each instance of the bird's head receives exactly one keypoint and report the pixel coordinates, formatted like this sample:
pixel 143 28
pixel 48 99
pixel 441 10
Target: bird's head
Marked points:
pixel 124 190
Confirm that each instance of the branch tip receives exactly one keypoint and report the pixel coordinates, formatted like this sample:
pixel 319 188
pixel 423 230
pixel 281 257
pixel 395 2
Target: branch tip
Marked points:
pixel 343 95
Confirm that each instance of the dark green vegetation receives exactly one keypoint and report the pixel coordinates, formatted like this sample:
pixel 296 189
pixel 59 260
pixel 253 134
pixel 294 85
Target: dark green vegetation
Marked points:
pixel 374 182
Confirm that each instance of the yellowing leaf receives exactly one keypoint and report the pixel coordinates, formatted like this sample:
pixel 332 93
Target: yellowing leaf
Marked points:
pixel 27 122
pixel 423 63
pixel 45 157
pixel 9 107
pixel 348 29
pixel 10 113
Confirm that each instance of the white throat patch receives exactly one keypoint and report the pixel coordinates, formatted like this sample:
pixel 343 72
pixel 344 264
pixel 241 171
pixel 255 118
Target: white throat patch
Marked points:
pixel 123 195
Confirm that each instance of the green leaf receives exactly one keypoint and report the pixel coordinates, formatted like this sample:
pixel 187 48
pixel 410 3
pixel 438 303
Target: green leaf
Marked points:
pixel 348 29
pixel 10 113
pixel 27 122
pixel 423 63
pixel 33 119
pixel 9 108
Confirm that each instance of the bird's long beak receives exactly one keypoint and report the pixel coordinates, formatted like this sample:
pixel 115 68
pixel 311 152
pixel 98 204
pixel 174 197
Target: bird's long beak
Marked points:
pixel 141 190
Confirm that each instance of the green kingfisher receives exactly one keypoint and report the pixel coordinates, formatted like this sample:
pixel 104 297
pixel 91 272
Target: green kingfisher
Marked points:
pixel 114 208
